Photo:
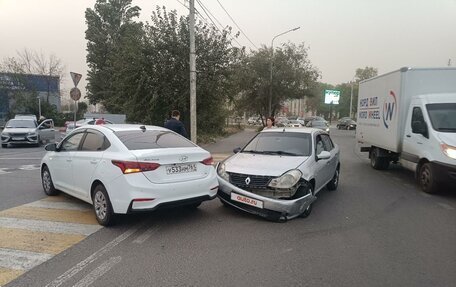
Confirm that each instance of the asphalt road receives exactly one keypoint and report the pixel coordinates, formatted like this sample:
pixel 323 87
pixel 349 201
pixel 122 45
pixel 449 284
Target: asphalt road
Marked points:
pixel 377 229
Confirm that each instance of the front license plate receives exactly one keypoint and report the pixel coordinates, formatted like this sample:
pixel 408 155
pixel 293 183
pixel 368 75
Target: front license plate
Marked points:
pixel 18 139
pixel 246 200
pixel 181 168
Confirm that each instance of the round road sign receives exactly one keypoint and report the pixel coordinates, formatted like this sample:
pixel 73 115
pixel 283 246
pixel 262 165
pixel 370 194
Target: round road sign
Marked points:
pixel 75 94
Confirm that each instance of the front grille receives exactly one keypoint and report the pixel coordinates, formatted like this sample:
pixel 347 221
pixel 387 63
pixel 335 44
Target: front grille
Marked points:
pixel 256 181
pixel 17 135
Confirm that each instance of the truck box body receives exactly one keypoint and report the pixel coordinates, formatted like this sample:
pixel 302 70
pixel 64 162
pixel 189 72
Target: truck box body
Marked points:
pixel 383 103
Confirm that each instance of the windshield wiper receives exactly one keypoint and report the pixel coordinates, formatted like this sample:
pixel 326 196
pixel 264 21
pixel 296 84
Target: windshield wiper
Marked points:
pixel 279 152
pixel 253 151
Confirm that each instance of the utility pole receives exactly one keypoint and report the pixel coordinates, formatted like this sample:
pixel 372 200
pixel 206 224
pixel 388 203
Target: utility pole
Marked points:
pixel 192 74
pixel 351 100
pixel 449 62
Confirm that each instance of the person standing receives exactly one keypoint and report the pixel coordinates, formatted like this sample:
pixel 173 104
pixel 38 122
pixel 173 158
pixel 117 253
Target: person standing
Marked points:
pixel 269 123
pixel 175 124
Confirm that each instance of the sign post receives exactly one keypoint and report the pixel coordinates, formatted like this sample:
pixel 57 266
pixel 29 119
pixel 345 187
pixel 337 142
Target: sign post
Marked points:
pixel 75 93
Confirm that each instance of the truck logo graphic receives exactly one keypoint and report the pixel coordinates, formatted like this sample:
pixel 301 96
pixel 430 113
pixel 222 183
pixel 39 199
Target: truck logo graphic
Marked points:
pixel 389 109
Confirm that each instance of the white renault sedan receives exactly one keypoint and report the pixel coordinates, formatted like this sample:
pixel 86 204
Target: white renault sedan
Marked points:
pixel 129 168
pixel 279 172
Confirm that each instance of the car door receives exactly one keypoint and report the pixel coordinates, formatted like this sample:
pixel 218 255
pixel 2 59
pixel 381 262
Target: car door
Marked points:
pixel 333 160
pixel 61 162
pixel 321 165
pixel 87 160
pixel 46 131
pixel 415 141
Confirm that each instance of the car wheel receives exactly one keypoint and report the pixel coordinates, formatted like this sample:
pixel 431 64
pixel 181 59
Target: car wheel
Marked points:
pixel 378 162
pixel 102 206
pixel 332 185
pixel 338 127
pixel 427 180
pixel 46 180
pixel 308 210
pixel 4 145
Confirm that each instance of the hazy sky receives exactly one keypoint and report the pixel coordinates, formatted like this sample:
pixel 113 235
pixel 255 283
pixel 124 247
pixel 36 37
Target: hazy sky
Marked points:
pixel 342 34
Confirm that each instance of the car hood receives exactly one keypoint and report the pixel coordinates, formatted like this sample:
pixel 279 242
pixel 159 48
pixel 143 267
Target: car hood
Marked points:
pixel 448 138
pixel 261 164
pixel 19 130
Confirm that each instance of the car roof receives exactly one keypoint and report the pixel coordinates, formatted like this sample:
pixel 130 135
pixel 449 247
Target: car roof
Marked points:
pixel 122 127
pixel 304 130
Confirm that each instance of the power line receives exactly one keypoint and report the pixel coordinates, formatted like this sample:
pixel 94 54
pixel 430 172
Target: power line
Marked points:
pixel 206 9
pixel 236 24
pixel 205 21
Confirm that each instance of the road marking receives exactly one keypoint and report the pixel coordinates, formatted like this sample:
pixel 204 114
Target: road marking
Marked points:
pixel 4 171
pixel 80 206
pixel 100 252
pixel 28 212
pixel 21 158
pixel 42 242
pixel 21 260
pixel 6 275
pixel 98 272
pixel 143 237
pixel 45 226
pixel 29 167
pixel 446 206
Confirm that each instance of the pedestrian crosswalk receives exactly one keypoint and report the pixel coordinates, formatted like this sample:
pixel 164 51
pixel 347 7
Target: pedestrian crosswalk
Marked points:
pixel 33 233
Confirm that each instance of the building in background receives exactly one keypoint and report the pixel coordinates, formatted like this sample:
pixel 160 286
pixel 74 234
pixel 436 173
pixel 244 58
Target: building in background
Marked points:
pixel 296 107
pixel 46 88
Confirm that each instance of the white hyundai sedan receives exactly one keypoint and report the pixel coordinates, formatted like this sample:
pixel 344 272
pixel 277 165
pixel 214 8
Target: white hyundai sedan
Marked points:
pixel 122 169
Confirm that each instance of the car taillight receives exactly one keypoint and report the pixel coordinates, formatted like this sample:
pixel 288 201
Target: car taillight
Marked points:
pixel 208 161
pixel 134 166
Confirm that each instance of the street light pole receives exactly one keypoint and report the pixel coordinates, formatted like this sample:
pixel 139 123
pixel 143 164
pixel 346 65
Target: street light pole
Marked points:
pixel 351 96
pixel 39 106
pixel 272 60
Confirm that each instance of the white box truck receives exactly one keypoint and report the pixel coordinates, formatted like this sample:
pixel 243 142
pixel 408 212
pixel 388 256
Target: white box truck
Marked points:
pixel 409 116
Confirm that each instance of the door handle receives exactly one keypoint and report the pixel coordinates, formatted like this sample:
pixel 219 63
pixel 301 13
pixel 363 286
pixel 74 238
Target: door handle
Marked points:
pixel 408 136
pixel 69 160
pixel 94 161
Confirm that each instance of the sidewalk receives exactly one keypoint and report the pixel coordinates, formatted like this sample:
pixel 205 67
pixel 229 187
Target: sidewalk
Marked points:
pixel 224 146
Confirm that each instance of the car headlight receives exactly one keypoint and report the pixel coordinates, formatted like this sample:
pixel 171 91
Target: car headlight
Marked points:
pixel 448 150
pixel 222 173
pixel 5 134
pixel 327 129
pixel 286 180
pixel 32 134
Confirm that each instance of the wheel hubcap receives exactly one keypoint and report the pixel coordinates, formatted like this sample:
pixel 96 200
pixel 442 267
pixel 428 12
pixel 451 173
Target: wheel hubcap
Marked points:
pixel 100 205
pixel 336 178
pixel 47 180
pixel 425 177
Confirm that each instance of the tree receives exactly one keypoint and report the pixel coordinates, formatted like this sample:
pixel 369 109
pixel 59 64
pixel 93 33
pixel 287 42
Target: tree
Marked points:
pixel 366 73
pixel 294 77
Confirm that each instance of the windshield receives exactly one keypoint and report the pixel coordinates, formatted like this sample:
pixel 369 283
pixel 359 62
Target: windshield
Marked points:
pixel 443 116
pixel 280 143
pixel 21 124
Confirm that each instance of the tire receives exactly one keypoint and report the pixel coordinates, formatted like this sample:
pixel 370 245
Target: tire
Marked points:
pixel 102 206
pixel 427 179
pixel 46 180
pixel 377 162
pixel 332 185
pixel 308 210
pixel 4 145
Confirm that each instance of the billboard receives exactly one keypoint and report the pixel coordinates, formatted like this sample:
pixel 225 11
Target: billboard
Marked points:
pixel 332 97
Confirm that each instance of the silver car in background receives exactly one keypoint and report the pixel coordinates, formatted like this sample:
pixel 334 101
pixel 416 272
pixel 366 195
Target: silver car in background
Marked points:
pixel 279 172
pixel 26 131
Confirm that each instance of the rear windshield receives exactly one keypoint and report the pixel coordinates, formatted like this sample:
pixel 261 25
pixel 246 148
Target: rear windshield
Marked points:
pixel 280 143
pixel 137 139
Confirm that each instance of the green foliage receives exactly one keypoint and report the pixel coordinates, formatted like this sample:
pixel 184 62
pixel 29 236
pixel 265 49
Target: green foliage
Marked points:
pixel 365 73
pixel 294 77
pixel 82 109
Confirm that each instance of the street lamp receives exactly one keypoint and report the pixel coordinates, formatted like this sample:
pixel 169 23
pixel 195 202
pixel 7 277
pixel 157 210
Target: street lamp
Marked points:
pixel 272 59
pixel 351 96
pixel 39 105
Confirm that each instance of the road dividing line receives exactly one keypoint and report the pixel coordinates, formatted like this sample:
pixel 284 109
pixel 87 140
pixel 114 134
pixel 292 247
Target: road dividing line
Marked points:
pixel 74 216
pixel 81 206
pixel 46 226
pixel 143 237
pixel 6 275
pixel 100 252
pixel 98 272
pixel 21 260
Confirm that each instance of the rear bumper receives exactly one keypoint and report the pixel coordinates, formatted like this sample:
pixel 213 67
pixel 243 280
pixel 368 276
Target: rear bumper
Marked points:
pixel 444 172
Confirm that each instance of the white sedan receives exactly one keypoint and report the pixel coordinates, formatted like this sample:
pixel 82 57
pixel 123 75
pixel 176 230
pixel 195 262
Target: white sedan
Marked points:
pixel 128 168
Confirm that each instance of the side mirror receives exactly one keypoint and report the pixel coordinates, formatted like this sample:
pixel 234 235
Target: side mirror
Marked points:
pixel 236 150
pixel 324 155
pixel 51 147
pixel 419 127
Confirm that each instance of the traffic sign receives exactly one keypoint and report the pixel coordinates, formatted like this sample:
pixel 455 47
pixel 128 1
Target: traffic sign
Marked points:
pixel 75 77
pixel 332 97
pixel 75 94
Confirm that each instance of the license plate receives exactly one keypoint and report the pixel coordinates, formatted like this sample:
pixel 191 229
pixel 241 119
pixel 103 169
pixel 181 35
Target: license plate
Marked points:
pixel 181 168
pixel 247 200
pixel 18 139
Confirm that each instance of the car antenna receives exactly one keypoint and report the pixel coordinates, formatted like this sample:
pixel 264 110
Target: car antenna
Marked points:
pixel 143 128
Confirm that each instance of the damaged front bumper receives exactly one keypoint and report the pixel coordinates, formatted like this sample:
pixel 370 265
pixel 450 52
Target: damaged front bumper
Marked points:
pixel 276 209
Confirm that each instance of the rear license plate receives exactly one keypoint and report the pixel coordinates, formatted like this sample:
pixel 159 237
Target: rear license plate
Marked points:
pixel 181 168
pixel 247 200
pixel 18 139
